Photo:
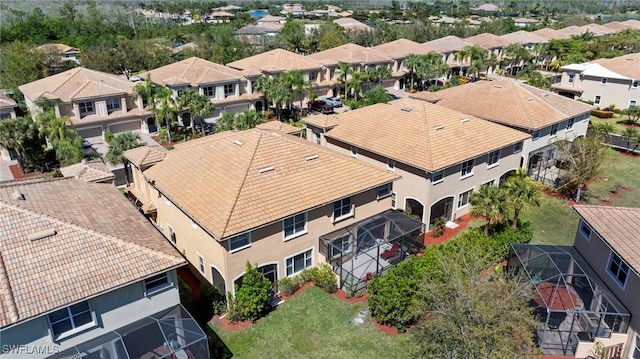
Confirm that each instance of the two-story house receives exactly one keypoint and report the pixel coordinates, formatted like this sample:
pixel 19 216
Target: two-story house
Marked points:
pixel 95 102
pixel 227 88
pixel 278 61
pixel 84 275
pixel 448 47
pixel 605 82
pixel 264 197
pixel 491 43
pixel 7 111
pixel 531 42
pixel 545 116
pixel 398 50
pixel 442 155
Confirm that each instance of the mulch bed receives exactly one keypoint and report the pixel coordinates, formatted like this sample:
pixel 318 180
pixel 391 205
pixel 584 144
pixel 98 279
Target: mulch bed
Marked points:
pixel 628 189
pixel 614 195
pixel 343 297
pixel 16 172
pixel 630 154
pixel 297 292
pixel 226 324
pixel 605 203
pixel 449 233
pixel 385 328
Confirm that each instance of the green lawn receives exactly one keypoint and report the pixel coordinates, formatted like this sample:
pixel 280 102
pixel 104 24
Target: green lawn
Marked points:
pixel 313 325
pixel 618 170
pixel 554 222
pixel 616 122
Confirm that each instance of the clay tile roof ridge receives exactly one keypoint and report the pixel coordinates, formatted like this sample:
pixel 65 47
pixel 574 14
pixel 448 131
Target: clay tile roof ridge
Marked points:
pixel 190 62
pixel 7 293
pixel 426 126
pixel 541 100
pixel 89 230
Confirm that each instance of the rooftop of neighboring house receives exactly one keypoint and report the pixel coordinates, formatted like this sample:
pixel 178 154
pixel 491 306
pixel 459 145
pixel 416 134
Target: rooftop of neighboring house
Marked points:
pixel 524 38
pixel 632 24
pixel 348 23
pixel 194 72
pixel 145 156
pixel 573 30
pixel 59 48
pixel 324 122
pixel 525 20
pixel 597 30
pixel 488 41
pixel 260 29
pixel 221 13
pixel 618 227
pixel 508 102
pixel 89 171
pixel 421 134
pixel 229 8
pixel 63 241
pixel 399 49
pixel 550 34
pixel 239 181
pixel 271 18
pixel 6 101
pixel 616 26
pixel 280 127
pixel 624 67
pixel 351 54
pixel 77 84
pixel 446 44
pixel 489 7
pixel 275 61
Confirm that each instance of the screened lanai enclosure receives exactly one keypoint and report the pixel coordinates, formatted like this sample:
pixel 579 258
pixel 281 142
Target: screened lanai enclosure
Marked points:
pixel 371 246
pixel 575 307
pixel 171 334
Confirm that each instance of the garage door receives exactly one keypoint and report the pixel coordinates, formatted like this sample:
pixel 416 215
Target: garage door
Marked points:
pixel 125 127
pixel 236 109
pixel 90 132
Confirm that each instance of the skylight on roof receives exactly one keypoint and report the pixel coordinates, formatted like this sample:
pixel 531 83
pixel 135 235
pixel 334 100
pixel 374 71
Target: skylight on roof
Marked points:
pixel 406 109
pixel 311 158
pixel 440 127
pixel 464 120
pixel 266 169
pixel 238 142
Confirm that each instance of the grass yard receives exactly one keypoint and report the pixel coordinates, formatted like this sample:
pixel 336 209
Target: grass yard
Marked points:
pixel 313 325
pixel 616 122
pixel 554 222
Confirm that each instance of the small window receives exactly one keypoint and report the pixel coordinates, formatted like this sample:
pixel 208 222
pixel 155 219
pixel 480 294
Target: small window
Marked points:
pixel 535 135
pixel 200 263
pixel 596 100
pixel 633 103
pixel 342 208
pixel 299 262
pixel 239 242
pixel 384 190
pixel 313 76
pixel 603 81
pixel 318 137
pixel 172 234
pixel 354 151
pixel 467 169
pixel 294 226
pixel 618 269
pixel 229 90
pixel 156 283
pixel 517 147
pixel 340 246
pixel 463 198
pixel 70 319
pixel 635 85
pixel 85 108
pixel 493 158
pixel 209 91
pixel 570 124
pixel 554 130
pixel 437 177
pixel 393 200
pixel 585 230
pixel 113 104
pixel 572 78
pixel 391 164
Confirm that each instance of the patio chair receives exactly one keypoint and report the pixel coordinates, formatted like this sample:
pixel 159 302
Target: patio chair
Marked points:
pixel 386 255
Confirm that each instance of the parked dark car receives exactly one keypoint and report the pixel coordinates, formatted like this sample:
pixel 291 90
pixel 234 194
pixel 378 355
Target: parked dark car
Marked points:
pixel 320 106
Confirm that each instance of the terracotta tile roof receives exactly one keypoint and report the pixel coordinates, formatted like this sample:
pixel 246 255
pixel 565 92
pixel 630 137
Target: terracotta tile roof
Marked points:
pixel 281 127
pixel 569 88
pixel 58 48
pixel 524 38
pixel 616 26
pixel 572 30
pixel 597 30
pixel 193 71
pixel 551 34
pixel 242 180
pixel 133 114
pixel 6 102
pixel 619 227
pixel 349 23
pixel 351 54
pixel 421 134
pixel 632 24
pixel 399 49
pixel 89 171
pixel 445 45
pixel 627 65
pixel 274 61
pixel 322 121
pixel 271 18
pixel 145 156
pixel 488 7
pixel 260 29
pixel 101 242
pixel 509 102
pixel 77 83
pixel 488 41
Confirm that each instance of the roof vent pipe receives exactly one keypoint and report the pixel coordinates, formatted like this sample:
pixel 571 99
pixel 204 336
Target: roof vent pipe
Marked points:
pixel 42 234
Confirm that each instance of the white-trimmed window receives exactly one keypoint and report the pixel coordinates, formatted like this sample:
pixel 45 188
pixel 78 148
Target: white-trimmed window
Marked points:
pixel 633 103
pixel 384 190
pixel 572 78
pixel 209 91
pixel 313 75
pixel 340 246
pixel 391 164
pixel 229 90
pixel 113 104
pixel 394 197
pixel 618 269
pixel 342 208
pixel 354 151
pixel 239 242
pixel 437 177
pixel 635 84
pixel 585 230
pixel 85 108
pixel 294 226
pixel 554 130
pixel 200 263
pixel 463 198
pixel 71 319
pixel 535 135
pixel 156 283
pixel 299 262
pixel 603 81
pixel 467 169
pixel 517 147
pixel 596 99
pixel 493 158
pixel 570 123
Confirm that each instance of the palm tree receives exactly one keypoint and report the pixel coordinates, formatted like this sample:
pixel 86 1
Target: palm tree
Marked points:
pixel 522 192
pixel 631 134
pixel 604 129
pixel 147 91
pixel 121 143
pixel 431 66
pixel 344 70
pixel 490 202
pixel 248 119
pixel 376 74
pixel 165 109
pixel 516 55
pixel 296 82
pixel 226 122
pixel 491 62
pixel 14 133
pixel 411 62
pixel 355 84
pixel 196 103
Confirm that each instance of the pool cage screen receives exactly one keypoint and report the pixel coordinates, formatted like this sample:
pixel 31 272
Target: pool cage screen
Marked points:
pixel 570 300
pixel 371 246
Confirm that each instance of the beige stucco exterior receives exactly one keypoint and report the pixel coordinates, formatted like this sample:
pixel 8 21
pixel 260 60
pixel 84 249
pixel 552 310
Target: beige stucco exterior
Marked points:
pixel 618 92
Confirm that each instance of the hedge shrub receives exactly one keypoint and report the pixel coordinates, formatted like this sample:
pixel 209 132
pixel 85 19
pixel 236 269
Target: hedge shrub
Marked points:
pixel 321 275
pixel 602 113
pixel 252 298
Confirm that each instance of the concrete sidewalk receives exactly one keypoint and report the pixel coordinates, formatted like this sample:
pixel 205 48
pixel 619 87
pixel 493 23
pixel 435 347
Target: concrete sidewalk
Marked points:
pixel 5 172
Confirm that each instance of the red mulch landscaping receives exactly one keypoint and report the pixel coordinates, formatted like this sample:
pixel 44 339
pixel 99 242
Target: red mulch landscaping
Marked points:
pixel 615 194
pixel 298 291
pixel 16 172
pixel 605 203
pixel 629 154
pixel 449 233
pixel 385 328
pixel 628 189
pixel 343 297
pixel 225 324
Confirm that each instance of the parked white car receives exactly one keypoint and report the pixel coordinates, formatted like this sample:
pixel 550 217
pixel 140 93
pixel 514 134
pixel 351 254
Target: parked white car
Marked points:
pixel 333 101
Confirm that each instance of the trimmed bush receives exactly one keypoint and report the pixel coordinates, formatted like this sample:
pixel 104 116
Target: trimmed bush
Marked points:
pixel 438 228
pixel 602 113
pixel 108 137
pixel 252 298
pixel 289 285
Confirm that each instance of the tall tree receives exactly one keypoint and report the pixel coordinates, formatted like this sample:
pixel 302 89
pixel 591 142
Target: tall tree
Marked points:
pixel 196 103
pixel 20 65
pixel 297 84
pixel 275 90
pixel 292 37
pixel 15 133
pixel 522 192
pixel 248 119
pixel 411 62
pixel 583 158
pixel 118 146
pixel 431 66
pixel 344 71
pixel 517 55
pixel 165 109
pixel 490 202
